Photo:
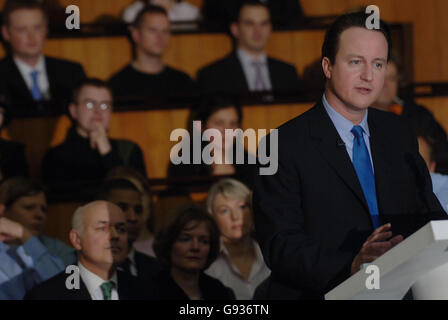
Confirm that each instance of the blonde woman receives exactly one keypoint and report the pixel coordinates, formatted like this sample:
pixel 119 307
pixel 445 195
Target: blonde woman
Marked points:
pixel 240 264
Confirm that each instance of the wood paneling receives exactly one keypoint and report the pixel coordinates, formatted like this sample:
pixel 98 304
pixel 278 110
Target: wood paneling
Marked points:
pixel 150 129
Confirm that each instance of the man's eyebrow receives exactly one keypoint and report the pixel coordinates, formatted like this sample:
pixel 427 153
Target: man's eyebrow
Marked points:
pixel 102 222
pixel 380 59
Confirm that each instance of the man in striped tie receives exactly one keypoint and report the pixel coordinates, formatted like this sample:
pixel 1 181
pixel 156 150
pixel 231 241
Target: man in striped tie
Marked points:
pixel 99 235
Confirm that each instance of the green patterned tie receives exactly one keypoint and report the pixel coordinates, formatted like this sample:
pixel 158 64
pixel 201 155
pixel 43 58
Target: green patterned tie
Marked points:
pixel 106 288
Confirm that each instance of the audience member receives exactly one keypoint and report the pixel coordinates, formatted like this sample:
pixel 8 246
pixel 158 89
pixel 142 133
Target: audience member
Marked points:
pixel 148 75
pixel 221 114
pixel 248 68
pixel 426 147
pixel 13 162
pixel 87 153
pixel 178 10
pixel 240 263
pixel 100 238
pixel 187 245
pixel 419 117
pixel 27 257
pixel 145 242
pixel 32 76
pixel 126 195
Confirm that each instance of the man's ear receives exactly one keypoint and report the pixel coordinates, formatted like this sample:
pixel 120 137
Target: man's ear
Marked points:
pixel 135 34
pixel 73 111
pixel 235 30
pixel 75 239
pixel 326 67
pixel 5 33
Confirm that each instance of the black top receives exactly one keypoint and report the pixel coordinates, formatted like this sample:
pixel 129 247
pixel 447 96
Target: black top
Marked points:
pixel 211 288
pixel 129 288
pixel 13 162
pixel 63 77
pixel 129 82
pixel 74 162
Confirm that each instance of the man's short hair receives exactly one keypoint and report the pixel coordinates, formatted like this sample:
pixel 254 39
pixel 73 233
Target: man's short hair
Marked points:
pixel 92 82
pixel 13 5
pixel 330 46
pixel 148 9
pixel 14 188
pixel 247 3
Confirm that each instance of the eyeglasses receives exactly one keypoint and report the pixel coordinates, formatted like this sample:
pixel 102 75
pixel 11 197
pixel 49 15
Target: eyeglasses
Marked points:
pixel 102 106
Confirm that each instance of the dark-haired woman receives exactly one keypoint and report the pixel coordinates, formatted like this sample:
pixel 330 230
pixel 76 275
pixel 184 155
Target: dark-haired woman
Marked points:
pixel 187 245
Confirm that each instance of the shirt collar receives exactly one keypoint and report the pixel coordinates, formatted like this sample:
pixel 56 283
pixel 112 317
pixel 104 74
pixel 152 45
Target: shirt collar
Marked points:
pixel 131 256
pixel 92 281
pixel 27 69
pixel 342 124
pixel 246 58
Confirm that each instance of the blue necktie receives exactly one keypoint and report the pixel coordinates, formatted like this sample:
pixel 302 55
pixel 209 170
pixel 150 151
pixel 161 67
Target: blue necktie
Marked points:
pixel 363 167
pixel 35 90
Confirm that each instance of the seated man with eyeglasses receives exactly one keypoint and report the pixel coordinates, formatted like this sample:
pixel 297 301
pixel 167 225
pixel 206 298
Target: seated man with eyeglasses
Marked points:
pixel 87 153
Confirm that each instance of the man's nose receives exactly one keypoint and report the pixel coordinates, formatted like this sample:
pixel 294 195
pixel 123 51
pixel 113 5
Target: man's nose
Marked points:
pixel 39 214
pixel 113 233
pixel 131 217
pixel 367 73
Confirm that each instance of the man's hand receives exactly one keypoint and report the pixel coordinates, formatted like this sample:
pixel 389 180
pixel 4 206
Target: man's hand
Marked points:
pixel 375 246
pixel 99 139
pixel 13 232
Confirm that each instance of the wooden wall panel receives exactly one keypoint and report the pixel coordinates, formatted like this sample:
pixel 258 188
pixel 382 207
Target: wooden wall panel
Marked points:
pixel 102 57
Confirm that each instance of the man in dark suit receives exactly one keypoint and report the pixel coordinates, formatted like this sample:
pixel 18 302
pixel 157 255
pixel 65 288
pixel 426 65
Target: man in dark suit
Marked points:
pixel 248 68
pixel 126 195
pixel 32 77
pixel 350 182
pixel 99 235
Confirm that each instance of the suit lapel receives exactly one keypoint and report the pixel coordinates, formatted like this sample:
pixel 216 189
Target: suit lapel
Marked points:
pixel 381 161
pixel 17 81
pixel 240 78
pixel 51 72
pixel 329 144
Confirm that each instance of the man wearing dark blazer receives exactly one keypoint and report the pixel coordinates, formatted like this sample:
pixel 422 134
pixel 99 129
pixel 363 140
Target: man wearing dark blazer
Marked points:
pixel 125 194
pixel 99 235
pixel 350 182
pixel 248 68
pixel 33 78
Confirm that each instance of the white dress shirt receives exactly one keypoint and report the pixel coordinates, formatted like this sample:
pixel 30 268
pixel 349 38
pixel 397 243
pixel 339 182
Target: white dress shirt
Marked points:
pixel 93 283
pixel 344 126
pixel 42 78
pixel 227 272
pixel 250 71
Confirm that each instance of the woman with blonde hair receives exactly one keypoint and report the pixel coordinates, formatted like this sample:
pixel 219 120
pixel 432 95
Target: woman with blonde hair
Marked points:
pixel 240 264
